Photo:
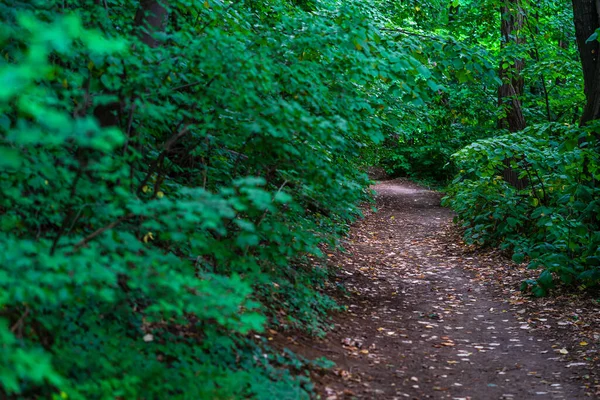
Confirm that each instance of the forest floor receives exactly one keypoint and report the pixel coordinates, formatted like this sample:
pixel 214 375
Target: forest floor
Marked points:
pixel 431 318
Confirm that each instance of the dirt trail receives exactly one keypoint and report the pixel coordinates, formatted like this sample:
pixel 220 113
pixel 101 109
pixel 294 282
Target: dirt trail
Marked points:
pixel 420 326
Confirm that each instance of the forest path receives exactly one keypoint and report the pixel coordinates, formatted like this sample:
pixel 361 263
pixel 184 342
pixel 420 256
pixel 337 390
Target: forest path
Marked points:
pixel 421 325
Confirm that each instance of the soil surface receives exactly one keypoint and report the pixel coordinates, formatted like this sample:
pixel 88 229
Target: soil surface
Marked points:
pixel 426 321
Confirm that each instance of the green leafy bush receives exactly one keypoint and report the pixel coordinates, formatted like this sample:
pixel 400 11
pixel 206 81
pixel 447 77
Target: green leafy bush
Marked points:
pixel 169 184
pixel 421 137
pixel 552 222
pixel 462 45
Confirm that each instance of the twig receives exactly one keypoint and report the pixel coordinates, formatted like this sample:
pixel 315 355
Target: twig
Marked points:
pixel 266 211
pixel 166 147
pixel 206 164
pixel 188 85
pixel 20 320
pixel 533 190
pixel 409 33
pixel 240 154
pixel 68 213
pixel 100 231
pixel 129 124
pixel 76 218
pixel 543 186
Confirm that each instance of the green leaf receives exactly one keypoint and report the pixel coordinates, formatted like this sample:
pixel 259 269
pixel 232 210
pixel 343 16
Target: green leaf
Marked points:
pixel 524 286
pixel 10 158
pixel 538 291
pixel 282 197
pixel 545 279
pixel 593 37
pixel 518 258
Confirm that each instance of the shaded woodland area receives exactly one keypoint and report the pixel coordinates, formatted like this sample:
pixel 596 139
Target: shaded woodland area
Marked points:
pixel 177 173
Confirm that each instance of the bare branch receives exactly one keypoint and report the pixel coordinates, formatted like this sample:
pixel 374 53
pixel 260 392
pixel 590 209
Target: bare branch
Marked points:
pixel 100 231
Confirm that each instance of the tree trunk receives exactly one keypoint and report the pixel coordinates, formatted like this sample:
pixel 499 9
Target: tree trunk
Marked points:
pixel 452 13
pixel 587 20
pixel 151 16
pixel 586 14
pixel 508 98
pixel 512 82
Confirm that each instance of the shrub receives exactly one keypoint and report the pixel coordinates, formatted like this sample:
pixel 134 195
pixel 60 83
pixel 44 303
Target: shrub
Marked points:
pixel 168 187
pixel 552 222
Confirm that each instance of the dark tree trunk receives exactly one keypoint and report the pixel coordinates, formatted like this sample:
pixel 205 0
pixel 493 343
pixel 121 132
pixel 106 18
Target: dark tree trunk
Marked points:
pixel 452 13
pixel 586 14
pixel 509 92
pixel 512 81
pixel 587 20
pixel 151 16
pixel 508 98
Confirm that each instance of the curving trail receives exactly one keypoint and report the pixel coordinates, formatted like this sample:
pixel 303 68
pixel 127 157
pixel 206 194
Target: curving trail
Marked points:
pixel 420 326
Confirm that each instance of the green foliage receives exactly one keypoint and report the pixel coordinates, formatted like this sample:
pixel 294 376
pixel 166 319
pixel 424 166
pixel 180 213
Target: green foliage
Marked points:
pixel 168 189
pixel 460 43
pixel 552 222
pixel 171 181
pixel 547 216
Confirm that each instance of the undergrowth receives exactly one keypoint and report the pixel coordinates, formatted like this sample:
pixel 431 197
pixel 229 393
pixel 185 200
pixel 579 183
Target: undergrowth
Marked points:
pixel 552 222
pixel 171 171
